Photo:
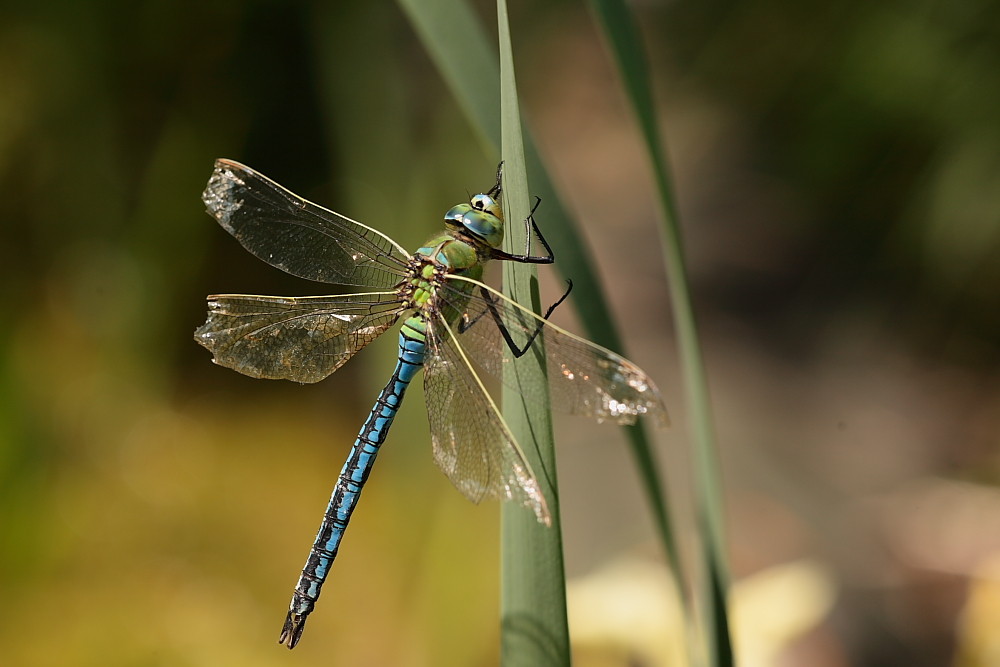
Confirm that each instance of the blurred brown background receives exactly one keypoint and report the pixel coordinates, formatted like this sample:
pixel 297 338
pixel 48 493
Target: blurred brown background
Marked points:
pixel 838 173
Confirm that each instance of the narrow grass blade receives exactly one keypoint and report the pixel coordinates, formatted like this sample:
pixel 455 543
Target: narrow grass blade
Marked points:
pixel 624 42
pixel 533 584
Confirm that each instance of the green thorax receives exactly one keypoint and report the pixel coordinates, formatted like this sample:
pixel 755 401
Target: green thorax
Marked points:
pixel 474 230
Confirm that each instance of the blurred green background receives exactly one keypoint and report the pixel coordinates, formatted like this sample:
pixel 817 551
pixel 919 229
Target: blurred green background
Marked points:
pixel 838 172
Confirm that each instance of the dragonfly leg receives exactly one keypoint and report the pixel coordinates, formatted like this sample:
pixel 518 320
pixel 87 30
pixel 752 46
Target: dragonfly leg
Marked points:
pixel 530 226
pixel 465 323
pixel 495 190
pixel 514 348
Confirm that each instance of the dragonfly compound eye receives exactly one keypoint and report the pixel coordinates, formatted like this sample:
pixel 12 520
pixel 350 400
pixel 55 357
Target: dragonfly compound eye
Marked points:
pixel 484 224
pixel 487 204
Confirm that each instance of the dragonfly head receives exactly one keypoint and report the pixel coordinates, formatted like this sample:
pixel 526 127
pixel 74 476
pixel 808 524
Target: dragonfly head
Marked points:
pixel 482 217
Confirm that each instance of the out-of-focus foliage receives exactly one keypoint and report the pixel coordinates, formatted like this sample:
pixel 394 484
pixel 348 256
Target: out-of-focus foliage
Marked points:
pixel 155 508
pixel 836 171
pixel 880 118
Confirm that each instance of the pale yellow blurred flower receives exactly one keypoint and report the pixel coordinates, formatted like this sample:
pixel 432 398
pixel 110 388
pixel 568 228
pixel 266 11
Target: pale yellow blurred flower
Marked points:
pixel 628 613
pixel 978 635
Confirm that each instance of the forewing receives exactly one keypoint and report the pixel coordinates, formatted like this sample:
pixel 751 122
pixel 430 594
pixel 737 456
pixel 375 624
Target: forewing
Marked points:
pixel 297 236
pixel 293 338
pixel 471 442
pixel 584 378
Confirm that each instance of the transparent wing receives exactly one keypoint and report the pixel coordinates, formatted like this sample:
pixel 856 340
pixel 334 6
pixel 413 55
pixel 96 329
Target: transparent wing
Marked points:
pixel 293 338
pixel 297 236
pixel 471 441
pixel 584 378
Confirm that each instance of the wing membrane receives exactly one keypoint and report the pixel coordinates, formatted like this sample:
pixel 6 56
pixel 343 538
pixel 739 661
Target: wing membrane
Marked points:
pixel 471 442
pixel 297 236
pixel 584 378
pixel 293 338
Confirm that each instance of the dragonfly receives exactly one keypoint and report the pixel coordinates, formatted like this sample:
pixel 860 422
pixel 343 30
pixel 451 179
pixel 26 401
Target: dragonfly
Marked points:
pixel 455 327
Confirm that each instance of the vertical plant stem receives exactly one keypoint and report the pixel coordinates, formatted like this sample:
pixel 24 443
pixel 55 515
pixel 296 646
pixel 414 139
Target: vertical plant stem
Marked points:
pixel 625 44
pixel 533 590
